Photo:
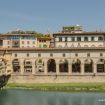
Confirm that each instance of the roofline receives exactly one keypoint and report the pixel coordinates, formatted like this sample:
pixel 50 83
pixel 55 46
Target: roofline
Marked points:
pixel 82 33
pixel 17 34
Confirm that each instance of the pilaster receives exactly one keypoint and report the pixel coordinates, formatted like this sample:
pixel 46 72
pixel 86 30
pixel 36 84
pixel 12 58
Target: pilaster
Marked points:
pixel 57 67
pixel 33 66
pixel 21 66
pixel 45 66
pixel 82 67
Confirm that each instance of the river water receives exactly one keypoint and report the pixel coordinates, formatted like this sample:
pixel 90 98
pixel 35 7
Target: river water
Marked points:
pixel 31 97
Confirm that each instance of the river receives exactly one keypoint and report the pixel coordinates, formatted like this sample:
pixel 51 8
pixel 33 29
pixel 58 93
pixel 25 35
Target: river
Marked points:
pixel 31 97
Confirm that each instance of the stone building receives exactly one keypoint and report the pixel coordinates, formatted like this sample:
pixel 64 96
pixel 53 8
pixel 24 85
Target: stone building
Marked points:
pixel 44 42
pixel 18 40
pixel 58 65
pixel 84 39
pixel 75 57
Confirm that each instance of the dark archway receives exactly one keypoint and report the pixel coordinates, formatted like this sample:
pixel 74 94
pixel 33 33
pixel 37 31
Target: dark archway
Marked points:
pixel 63 65
pixel 16 65
pixel 101 66
pixel 51 65
pixel 88 66
pixel 76 66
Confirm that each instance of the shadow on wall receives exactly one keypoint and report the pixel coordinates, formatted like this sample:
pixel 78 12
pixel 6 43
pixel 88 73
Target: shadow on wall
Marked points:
pixel 3 80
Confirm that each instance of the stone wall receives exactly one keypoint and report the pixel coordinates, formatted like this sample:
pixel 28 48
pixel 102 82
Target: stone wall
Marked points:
pixel 56 79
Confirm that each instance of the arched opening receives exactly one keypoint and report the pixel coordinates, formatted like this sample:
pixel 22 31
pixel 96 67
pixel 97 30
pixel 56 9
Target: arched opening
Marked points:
pixel 27 66
pixel 39 64
pixel 63 65
pixel 51 65
pixel 76 66
pixel 101 66
pixel 44 46
pixel 16 65
pixel 88 66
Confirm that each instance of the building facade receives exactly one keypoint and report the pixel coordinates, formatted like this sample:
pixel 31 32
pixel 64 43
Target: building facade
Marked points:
pixel 84 39
pixel 75 57
pixel 44 42
pixel 58 65
pixel 18 41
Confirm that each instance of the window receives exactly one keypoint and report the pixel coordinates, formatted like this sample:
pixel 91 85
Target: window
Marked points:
pixel 22 42
pixel 88 54
pixel 100 38
pixel 39 55
pixel 65 39
pixel 101 54
pixel 60 39
pixel 66 44
pixel 28 42
pixel 15 55
pixel 1 42
pixel 92 38
pixel 64 55
pixel 27 54
pixel 33 42
pixel 51 55
pixel 85 38
pixel 76 54
pixel 44 40
pixel 78 38
pixel 72 38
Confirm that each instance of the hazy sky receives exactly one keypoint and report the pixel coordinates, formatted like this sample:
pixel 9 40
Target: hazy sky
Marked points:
pixel 51 15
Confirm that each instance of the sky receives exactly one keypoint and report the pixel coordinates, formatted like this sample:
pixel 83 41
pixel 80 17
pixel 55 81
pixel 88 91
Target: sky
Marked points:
pixel 51 15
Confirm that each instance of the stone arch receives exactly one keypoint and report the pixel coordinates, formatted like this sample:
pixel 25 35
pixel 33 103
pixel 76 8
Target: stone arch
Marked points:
pixel 101 66
pixel 51 65
pixel 88 66
pixel 44 46
pixel 27 65
pixel 63 65
pixel 39 64
pixel 76 66
pixel 16 65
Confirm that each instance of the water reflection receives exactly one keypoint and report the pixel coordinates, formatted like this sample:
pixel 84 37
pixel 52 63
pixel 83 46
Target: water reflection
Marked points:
pixel 30 97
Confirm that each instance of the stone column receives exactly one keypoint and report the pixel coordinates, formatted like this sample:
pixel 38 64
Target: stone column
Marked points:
pixel 95 68
pixel 82 68
pixel 33 66
pixel 57 67
pixel 21 66
pixel 45 66
pixel 69 67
